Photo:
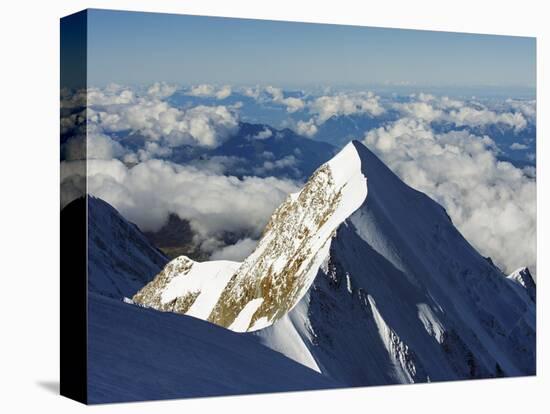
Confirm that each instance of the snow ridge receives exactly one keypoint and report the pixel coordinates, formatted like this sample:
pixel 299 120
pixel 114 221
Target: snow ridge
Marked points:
pixel 272 280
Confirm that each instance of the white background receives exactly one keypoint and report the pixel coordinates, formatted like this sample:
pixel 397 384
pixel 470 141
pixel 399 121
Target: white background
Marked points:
pixel 29 206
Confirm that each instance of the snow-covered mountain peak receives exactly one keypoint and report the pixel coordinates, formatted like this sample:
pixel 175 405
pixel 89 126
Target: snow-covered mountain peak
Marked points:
pixel 523 278
pixel 281 269
pixel 296 241
pixel 346 165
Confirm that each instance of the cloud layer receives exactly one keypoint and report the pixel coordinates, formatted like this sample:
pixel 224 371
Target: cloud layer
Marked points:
pixel 238 251
pixel 156 120
pixel 491 202
pixel 214 204
pixel 326 107
pixel 210 91
pixel 460 113
pixel 117 110
pixel 435 144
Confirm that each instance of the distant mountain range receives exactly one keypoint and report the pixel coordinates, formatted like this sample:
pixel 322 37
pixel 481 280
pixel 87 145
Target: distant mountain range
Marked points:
pixel 253 150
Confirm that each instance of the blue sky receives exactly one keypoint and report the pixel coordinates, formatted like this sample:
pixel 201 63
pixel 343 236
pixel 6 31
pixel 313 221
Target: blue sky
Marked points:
pixel 136 48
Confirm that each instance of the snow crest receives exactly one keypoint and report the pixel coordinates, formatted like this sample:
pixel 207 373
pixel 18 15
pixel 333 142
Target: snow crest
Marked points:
pixel 268 284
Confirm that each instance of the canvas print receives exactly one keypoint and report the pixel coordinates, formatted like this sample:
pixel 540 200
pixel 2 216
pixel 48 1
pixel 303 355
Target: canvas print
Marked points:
pixel 255 206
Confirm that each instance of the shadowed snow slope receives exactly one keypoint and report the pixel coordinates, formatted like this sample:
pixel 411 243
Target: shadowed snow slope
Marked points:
pixel 141 354
pixel 364 279
pixel 120 258
pixel 522 277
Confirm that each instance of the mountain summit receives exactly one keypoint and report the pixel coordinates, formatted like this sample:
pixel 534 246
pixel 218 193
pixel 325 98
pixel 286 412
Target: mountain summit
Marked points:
pixel 273 279
pixel 365 280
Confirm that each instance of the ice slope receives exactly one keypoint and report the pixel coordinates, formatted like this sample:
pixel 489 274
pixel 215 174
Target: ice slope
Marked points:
pixel 402 297
pixel 281 269
pixel 141 354
pixel 120 258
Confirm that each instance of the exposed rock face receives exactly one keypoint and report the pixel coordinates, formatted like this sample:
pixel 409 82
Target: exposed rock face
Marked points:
pixel 149 295
pixel 187 287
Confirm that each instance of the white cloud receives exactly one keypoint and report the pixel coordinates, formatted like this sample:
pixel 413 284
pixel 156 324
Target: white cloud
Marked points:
pixel 224 92
pixel 276 93
pixel 263 134
pixel 482 117
pixel 237 252
pixel 116 109
pixel 206 126
pixel 443 110
pixel 111 95
pixel 251 92
pixel 202 90
pixel 425 97
pixel 306 128
pixel 517 146
pixel 527 107
pixel 151 150
pixel 326 107
pixel 292 104
pixel 420 110
pixel 492 203
pixel 161 90
pixel 210 91
pixel 92 146
pixel 214 204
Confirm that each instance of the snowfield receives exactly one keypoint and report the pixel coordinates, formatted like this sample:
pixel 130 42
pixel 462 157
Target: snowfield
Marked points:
pixel 137 354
